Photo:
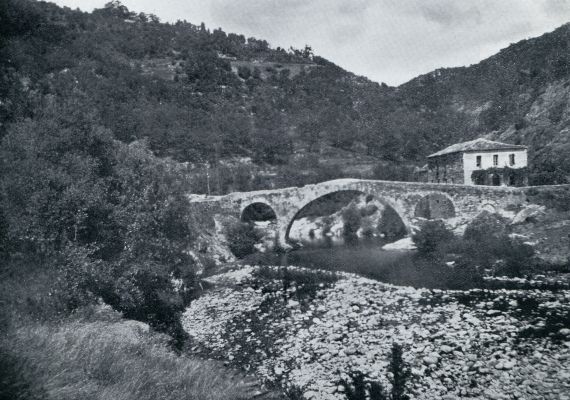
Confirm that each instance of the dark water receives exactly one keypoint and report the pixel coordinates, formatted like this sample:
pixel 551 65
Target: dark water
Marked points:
pixel 362 256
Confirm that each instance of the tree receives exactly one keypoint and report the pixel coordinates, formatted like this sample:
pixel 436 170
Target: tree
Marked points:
pixel 432 237
pixel 399 374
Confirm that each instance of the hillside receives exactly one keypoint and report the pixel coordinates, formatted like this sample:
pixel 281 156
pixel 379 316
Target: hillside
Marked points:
pixel 199 95
pixel 520 95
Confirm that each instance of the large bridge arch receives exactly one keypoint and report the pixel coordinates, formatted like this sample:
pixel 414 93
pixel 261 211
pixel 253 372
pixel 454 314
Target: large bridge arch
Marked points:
pixel 291 217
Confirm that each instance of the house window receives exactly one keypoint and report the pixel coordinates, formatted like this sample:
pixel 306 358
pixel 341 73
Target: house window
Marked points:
pixel 495 159
pixel 511 159
pixel 478 161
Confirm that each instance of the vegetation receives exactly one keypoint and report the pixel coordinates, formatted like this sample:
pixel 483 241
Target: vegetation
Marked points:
pixel 486 244
pixel 102 357
pixel 352 219
pixel 511 176
pixel 398 375
pixel 555 198
pixel 195 95
pixel 242 238
pixel 431 238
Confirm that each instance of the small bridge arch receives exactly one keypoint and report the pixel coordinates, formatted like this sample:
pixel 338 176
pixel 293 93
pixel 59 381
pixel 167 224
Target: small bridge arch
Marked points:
pixel 257 211
pixel 435 205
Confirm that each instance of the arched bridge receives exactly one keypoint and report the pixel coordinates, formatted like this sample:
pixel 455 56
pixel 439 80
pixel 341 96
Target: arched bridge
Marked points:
pixel 411 200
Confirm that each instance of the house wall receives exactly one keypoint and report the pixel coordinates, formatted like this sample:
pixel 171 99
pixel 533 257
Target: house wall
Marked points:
pixel 447 168
pixel 470 161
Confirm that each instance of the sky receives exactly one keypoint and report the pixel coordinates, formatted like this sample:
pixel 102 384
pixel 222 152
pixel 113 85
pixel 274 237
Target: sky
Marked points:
pixel 389 41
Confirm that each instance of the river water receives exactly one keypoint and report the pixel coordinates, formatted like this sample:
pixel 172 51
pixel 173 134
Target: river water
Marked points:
pixel 363 256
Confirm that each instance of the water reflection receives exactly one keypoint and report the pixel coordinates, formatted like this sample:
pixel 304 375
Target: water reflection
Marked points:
pixel 364 256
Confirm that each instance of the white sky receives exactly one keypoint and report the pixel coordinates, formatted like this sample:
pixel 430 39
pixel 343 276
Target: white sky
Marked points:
pixel 388 41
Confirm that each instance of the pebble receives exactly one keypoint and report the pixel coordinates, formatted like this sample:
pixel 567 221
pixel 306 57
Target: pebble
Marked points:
pixel 454 350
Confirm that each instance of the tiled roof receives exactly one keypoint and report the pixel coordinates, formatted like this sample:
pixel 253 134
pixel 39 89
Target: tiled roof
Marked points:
pixel 477 145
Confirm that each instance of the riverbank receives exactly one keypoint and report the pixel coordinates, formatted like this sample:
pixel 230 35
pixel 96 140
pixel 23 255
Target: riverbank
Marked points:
pixel 306 329
pixel 96 353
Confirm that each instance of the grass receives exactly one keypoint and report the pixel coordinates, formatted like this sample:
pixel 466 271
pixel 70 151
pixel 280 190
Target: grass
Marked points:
pixel 110 360
pixel 95 353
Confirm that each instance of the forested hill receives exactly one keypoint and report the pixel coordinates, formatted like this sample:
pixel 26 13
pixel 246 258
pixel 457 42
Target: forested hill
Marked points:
pixel 199 95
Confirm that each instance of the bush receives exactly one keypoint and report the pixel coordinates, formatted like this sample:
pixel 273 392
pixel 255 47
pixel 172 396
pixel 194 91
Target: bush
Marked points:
pixel 486 243
pixel 244 72
pixel 242 239
pixel 143 290
pixel 485 226
pixel 391 225
pixel 352 219
pixel 399 374
pixel 432 237
pixel 462 276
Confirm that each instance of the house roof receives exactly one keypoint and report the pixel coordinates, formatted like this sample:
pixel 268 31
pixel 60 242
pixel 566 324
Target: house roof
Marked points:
pixel 477 145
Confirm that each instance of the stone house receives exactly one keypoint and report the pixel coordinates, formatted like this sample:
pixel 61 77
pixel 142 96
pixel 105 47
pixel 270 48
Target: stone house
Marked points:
pixel 479 162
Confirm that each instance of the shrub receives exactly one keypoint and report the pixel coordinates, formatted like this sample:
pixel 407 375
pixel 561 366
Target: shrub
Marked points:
pixel 484 226
pixel 399 373
pixel 432 237
pixel 244 72
pixel 391 225
pixel 242 239
pixel 355 390
pixel 141 290
pixel 486 242
pixel 352 219
pixel 463 276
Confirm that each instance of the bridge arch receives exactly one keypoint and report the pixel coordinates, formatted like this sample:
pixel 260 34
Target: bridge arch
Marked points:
pixel 258 211
pixel 435 206
pixel 387 202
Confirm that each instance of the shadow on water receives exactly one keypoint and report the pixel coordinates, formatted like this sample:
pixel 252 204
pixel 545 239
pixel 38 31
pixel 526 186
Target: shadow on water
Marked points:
pixel 363 256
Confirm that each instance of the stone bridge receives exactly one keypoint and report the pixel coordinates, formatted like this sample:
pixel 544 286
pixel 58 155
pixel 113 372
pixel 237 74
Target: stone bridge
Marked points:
pixel 412 201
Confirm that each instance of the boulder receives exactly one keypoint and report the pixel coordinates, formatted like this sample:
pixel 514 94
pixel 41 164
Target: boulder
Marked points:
pixel 528 213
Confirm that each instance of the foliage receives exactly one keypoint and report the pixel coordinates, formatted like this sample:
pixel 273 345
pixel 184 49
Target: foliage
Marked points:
pixel 553 198
pixel 352 219
pixel 101 355
pixel 242 238
pixel 510 176
pixel 485 225
pixel 432 237
pixel 197 109
pixel 113 217
pixel 356 390
pixel 485 244
pixel 393 172
pixel 486 241
pixel 398 375
pixel 391 225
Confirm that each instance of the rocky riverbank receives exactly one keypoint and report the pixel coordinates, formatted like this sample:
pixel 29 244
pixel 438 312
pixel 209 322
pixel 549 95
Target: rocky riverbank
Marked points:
pixel 305 329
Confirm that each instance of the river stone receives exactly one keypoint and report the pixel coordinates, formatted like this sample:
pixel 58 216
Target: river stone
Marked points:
pixel 446 349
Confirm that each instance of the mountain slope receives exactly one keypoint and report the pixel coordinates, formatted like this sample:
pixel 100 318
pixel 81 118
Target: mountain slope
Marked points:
pixel 199 95
pixel 520 95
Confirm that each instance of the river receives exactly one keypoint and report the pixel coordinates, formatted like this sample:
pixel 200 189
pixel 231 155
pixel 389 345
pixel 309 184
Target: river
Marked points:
pixel 364 256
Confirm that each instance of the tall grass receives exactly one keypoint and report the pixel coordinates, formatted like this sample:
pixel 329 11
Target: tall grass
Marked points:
pixel 94 353
pixel 115 360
